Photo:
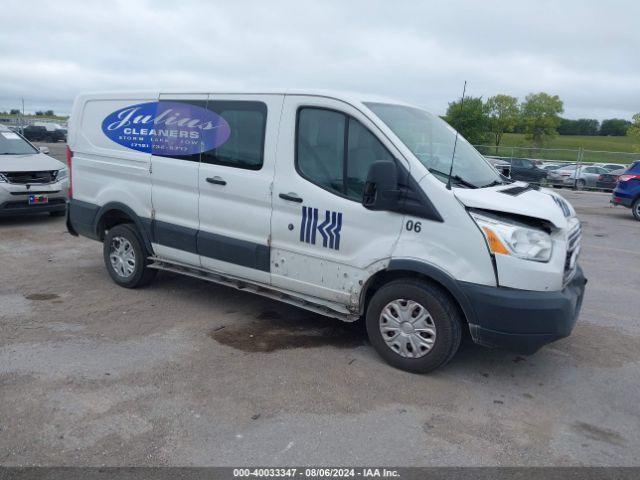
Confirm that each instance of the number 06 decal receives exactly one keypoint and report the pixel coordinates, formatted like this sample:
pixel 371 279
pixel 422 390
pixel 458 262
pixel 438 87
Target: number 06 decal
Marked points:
pixel 414 226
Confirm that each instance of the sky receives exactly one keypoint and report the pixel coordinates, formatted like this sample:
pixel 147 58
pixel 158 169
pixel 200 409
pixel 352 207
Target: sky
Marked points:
pixel 587 52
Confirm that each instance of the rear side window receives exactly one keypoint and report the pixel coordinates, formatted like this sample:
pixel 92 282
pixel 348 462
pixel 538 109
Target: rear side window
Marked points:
pixel 335 151
pixel 245 145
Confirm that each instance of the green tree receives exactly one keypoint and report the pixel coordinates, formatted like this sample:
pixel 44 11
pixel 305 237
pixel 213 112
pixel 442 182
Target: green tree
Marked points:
pixel 49 113
pixel 616 127
pixel 15 111
pixel 540 116
pixel 582 126
pixel 470 119
pixel 634 130
pixel 502 111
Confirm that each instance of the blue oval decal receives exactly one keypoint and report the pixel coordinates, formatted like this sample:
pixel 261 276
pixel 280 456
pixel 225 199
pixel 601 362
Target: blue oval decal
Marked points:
pixel 166 128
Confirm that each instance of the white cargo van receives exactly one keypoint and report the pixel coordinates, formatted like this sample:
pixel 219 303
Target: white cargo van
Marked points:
pixel 339 204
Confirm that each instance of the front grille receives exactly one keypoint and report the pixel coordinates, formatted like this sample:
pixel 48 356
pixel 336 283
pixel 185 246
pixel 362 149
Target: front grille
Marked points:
pixel 573 250
pixel 23 178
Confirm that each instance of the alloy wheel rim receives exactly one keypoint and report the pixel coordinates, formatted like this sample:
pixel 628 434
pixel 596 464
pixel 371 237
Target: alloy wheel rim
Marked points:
pixel 407 328
pixel 122 257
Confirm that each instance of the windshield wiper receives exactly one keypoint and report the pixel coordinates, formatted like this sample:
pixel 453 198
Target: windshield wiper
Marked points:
pixel 457 178
pixel 495 183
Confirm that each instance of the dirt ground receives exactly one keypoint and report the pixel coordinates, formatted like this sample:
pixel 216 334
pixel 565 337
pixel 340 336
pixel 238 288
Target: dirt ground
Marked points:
pixel 190 373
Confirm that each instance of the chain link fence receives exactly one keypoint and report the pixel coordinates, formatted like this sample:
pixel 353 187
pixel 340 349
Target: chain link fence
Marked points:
pixel 559 154
pixel 579 161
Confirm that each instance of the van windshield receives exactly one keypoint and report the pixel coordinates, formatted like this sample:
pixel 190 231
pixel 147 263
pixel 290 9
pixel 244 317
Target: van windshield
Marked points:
pixel 13 144
pixel 431 140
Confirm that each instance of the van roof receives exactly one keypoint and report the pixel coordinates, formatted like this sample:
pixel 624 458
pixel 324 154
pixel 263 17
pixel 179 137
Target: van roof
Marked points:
pixel 346 96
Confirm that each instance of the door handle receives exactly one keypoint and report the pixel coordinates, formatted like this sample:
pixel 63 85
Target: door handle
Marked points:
pixel 291 197
pixel 216 181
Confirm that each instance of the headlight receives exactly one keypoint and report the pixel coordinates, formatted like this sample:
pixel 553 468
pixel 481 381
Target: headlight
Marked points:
pixel 507 237
pixel 3 179
pixel 62 174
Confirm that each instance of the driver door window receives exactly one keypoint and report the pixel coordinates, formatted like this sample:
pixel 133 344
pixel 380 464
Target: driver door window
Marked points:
pixel 335 151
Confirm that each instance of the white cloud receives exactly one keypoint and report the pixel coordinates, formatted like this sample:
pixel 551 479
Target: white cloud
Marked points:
pixel 584 51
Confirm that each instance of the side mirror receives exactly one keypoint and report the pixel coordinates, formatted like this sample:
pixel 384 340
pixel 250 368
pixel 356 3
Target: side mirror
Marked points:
pixel 381 188
pixel 44 150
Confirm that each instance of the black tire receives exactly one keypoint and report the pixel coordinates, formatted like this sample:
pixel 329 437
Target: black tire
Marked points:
pixel 444 314
pixel 58 213
pixel 580 184
pixel 635 208
pixel 141 275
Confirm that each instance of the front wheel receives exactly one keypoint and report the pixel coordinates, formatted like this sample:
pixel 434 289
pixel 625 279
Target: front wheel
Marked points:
pixel 581 184
pixel 414 325
pixel 636 209
pixel 126 257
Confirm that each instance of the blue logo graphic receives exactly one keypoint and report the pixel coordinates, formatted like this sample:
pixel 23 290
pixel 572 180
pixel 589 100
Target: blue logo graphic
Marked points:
pixel 329 229
pixel 166 128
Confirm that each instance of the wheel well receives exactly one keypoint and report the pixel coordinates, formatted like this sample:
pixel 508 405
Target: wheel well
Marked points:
pixel 110 219
pixel 385 276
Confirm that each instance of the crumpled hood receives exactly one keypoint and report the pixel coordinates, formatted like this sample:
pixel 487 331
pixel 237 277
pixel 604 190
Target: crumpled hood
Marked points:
pixel 531 203
pixel 29 163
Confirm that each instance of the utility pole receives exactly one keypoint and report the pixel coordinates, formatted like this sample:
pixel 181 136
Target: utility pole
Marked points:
pixel 22 119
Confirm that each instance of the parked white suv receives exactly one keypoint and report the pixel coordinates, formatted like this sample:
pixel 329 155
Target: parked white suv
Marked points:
pixel 340 204
pixel 30 181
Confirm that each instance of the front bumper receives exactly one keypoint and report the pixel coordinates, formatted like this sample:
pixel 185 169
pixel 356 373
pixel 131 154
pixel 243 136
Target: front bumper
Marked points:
pixel 22 207
pixel 522 320
pixel 14 198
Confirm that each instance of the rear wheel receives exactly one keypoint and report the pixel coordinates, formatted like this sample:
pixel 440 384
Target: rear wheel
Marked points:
pixel 636 209
pixel 415 326
pixel 126 257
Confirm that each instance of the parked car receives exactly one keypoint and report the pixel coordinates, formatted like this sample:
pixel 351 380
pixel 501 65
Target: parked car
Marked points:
pixel 557 176
pixel 341 221
pixel 627 191
pixel 30 181
pixel 608 181
pixel 576 176
pixel 585 176
pixel 612 166
pixel 556 166
pixel 503 167
pixel 45 132
pixel 551 166
pixel 527 170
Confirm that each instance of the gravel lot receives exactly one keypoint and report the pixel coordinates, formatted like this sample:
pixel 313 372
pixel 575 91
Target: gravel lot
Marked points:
pixel 190 373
